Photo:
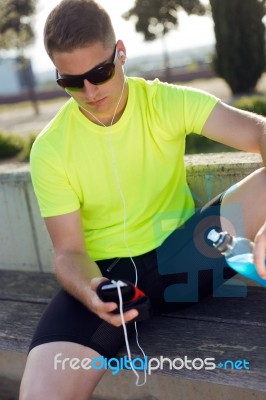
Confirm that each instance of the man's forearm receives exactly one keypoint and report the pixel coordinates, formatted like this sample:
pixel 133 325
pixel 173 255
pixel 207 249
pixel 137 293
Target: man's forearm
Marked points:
pixel 263 142
pixel 75 271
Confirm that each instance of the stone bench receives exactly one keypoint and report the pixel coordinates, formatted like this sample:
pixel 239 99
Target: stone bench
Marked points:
pixel 230 330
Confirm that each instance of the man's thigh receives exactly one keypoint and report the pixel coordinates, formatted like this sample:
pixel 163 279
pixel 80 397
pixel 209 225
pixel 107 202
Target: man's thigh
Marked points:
pixel 243 209
pixel 54 370
pixel 187 262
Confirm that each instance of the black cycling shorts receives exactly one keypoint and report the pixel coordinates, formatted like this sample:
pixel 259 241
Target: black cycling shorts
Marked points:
pixel 180 272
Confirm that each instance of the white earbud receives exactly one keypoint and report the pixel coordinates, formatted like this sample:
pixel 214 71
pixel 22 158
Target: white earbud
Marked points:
pixel 121 54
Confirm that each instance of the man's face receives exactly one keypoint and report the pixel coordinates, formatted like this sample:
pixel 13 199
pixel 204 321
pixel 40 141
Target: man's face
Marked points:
pixel 101 99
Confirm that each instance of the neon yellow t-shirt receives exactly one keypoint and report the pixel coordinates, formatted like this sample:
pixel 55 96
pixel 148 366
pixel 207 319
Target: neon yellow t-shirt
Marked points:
pixel 72 168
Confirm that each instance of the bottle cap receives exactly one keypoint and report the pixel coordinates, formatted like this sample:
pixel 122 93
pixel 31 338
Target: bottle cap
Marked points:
pixel 221 241
pixel 213 235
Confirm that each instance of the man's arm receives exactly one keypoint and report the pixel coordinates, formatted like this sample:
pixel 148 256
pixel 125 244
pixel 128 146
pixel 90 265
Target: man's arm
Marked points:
pixel 237 128
pixel 244 131
pixel 78 274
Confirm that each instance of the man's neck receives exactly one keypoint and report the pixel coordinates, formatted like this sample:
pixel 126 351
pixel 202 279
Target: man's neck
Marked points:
pixel 113 116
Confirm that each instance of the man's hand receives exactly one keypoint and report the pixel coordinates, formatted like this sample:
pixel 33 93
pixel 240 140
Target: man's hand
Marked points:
pixel 78 274
pixel 104 310
pixel 260 251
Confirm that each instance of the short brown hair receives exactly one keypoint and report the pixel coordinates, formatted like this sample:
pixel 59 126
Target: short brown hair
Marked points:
pixel 74 24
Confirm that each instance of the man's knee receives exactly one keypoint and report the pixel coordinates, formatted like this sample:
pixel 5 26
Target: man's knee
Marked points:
pixel 32 390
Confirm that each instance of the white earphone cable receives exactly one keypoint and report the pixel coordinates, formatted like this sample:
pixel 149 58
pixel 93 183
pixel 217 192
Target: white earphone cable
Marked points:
pixel 126 339
pixel 124 235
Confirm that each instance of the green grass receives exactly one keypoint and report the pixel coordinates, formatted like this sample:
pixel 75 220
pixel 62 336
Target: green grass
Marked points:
pixel 256 104
pixel 15 146
pixel 10 145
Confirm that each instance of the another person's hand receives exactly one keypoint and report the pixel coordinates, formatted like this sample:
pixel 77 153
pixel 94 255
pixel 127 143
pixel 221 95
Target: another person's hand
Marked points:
pixel 260 251
pixel 104 310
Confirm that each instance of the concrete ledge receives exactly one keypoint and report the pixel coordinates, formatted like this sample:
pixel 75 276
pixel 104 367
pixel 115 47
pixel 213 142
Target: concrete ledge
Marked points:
pixel 210 174
pixel 122 386
pixel 24 242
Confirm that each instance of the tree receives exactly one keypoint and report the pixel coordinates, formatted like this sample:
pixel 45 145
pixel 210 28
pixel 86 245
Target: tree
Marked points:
pixel 240 42
pixel 155 18
pixel 16 32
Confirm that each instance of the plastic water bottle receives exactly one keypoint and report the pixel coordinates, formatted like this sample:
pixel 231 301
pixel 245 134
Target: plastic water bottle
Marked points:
pixel 238 252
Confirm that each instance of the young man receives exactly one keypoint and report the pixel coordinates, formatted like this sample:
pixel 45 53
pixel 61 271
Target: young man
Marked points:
pixel 108 172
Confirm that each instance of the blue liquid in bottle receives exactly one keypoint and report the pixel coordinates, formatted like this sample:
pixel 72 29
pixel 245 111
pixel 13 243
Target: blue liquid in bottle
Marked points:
pixel 238 254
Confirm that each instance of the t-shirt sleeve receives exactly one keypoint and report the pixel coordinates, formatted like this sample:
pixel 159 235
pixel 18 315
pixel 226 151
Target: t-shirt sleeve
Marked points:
pixel 50 182
pixel 198 106
pixel 185 110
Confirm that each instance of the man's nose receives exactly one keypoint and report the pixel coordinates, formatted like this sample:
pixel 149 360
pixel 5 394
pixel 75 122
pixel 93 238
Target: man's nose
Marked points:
pixel 89 89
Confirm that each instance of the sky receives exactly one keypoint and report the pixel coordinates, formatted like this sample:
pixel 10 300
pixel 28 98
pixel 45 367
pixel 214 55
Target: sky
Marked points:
pixel 192 31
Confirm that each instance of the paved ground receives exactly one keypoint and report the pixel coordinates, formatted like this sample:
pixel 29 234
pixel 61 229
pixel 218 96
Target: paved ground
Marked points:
pixel 23 120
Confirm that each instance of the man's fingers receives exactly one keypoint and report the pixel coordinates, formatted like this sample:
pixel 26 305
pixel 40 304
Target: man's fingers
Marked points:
pixel 95 282
pixel 259 254
pixel 102 307
pixel 115 319
pixel 104 310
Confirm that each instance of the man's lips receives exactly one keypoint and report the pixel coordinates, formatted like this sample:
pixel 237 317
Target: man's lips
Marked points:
pixel 96 102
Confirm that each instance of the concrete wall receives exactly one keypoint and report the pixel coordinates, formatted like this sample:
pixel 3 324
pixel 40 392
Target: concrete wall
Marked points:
pixel 24 242
pixel 9 77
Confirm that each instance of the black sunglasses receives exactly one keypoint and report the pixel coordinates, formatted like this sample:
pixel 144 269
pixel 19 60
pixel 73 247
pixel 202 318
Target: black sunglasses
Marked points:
pixel 96 76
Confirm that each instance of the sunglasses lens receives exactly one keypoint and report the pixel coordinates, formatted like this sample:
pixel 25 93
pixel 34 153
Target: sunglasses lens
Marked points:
pixel 101 75
pixel 70 83
pixel 96 77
